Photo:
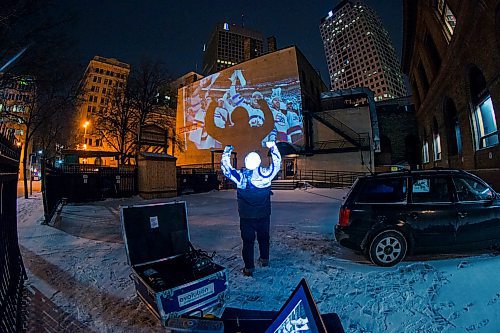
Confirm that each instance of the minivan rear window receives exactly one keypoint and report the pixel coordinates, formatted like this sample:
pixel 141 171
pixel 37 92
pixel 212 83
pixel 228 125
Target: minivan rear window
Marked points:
pixel 383 191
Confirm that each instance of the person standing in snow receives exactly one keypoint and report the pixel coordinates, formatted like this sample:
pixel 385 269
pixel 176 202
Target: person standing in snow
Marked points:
pixel 254 201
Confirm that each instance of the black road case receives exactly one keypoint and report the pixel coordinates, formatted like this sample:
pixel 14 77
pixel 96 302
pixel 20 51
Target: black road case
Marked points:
pixel 169 276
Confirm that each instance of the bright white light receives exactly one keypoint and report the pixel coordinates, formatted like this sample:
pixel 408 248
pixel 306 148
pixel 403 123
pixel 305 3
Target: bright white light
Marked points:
pixel 252 161
pixel 226 26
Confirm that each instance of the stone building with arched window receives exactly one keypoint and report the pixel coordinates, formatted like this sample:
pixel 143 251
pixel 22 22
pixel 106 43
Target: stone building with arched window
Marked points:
pixel 451 54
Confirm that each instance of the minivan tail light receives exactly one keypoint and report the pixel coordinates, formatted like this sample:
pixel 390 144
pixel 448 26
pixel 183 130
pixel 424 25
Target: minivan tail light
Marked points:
pixel 345 213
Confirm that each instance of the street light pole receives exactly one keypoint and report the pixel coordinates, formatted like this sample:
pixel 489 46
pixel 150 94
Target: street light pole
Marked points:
pixel 85 125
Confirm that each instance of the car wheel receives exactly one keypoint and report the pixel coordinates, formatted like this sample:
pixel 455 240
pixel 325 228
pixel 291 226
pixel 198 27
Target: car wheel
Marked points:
pixel 388 248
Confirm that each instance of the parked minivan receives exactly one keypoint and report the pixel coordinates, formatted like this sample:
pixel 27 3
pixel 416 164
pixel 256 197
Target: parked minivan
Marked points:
pixel 389 215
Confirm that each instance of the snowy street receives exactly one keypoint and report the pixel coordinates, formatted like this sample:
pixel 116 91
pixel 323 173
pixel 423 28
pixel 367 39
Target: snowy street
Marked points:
pixel 80 264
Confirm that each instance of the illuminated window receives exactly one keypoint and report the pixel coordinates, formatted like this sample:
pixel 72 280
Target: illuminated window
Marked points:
pixel 449 20
pixel 483 113
pixel 485 126
pixel 436 141
pixel 425 152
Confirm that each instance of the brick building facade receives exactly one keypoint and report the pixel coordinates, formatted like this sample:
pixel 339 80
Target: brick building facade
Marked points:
pixel 399 144
pixel 451 53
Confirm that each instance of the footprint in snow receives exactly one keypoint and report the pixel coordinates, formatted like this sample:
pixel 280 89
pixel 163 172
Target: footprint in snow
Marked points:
pixel 476 326
pixel 494 300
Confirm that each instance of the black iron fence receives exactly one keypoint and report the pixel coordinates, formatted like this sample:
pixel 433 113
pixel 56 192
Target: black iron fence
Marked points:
pixel 198 178
pixel 206 177
pixel 12 273
pixel 81 183
pixel 53 192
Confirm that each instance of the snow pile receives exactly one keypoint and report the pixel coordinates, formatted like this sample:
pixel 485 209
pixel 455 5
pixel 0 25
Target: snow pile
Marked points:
pixel 81 262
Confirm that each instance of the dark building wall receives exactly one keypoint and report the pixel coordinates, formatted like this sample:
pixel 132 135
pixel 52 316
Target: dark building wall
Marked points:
pixel 271 44
pixel 311 87
pixel 311 83
pixel 398 132
pixel 443 70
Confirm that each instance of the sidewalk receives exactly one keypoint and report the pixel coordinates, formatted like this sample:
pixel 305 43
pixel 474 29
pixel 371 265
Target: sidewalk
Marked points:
pixel 36 186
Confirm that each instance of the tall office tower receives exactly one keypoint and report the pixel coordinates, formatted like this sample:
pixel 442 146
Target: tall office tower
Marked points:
pixel 16 99
pixel 229 45
pixel 272 45
pixel 359 52
pixel 103 78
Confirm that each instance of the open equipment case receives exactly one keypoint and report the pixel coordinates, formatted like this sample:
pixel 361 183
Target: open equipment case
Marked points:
pixel 170 276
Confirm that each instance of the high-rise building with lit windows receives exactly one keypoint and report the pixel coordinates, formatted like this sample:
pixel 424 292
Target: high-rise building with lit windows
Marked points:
pixel 359 52
pixel 228 45
pixel 103 79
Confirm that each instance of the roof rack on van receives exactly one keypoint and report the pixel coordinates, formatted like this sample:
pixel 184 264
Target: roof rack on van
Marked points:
pixel 446 169
pixel 409 172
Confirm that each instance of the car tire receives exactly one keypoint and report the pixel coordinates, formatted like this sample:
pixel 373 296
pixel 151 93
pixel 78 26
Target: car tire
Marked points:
pixel 387 248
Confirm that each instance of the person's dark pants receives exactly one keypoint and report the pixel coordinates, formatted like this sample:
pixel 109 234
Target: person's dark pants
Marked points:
pixel 250 227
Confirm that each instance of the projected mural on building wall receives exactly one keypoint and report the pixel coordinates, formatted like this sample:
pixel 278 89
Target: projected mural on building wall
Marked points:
pixel 243 106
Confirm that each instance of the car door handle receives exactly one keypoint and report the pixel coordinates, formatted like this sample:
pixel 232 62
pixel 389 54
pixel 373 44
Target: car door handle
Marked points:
pixel 462 214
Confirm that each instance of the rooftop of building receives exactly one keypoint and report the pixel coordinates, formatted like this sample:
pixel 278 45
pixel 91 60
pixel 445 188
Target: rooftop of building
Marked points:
pixel 338 7
pixel 111 61
pixel 239 29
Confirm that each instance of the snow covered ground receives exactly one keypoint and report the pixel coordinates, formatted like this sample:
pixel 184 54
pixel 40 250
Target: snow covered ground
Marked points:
pixel 80 263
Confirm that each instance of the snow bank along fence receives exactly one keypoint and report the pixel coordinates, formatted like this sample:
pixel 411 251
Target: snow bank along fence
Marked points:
pixel 83 182
pixel 12 273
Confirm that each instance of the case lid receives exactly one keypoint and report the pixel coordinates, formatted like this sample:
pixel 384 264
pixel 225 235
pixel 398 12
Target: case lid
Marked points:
pixel 154 232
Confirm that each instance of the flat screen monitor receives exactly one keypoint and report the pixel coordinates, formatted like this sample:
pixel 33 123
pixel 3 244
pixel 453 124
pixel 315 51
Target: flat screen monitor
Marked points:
pixel 299 314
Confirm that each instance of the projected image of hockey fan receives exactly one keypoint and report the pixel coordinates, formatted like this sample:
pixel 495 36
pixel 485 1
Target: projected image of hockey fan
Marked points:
pixel 244 106
pixel 299 314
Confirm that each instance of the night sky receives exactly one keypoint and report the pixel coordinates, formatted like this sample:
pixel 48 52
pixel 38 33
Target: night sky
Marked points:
pixel 174 31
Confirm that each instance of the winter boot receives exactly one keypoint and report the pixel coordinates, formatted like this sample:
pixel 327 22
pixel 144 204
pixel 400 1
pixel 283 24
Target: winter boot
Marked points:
pixel 247 272
pixel 264 262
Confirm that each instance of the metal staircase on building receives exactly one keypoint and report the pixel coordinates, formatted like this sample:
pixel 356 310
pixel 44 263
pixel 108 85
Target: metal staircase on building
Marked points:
pixel 284 184
pixel 352 140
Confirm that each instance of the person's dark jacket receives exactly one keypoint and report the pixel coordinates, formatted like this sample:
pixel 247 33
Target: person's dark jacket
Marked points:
pixel 254 203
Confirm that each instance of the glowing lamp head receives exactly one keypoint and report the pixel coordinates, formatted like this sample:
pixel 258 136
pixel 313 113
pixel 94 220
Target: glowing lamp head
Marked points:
pixel 252 161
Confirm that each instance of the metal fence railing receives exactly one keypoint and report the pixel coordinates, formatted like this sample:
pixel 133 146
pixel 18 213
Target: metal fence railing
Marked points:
pixel 80 183
pixel 12 273
pixel 198 168
pixel 202 178
pixel 326 178
pixel 197 178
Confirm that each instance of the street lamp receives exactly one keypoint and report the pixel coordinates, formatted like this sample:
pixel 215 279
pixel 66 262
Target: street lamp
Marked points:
pixel 85 125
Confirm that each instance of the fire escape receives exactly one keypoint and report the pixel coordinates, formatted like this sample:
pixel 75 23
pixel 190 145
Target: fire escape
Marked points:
pixel 350 140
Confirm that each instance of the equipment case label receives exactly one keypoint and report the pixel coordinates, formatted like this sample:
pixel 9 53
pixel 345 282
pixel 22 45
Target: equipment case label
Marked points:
pixel 195 295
